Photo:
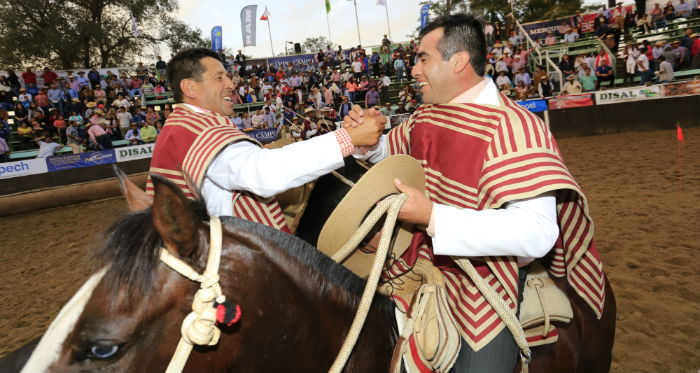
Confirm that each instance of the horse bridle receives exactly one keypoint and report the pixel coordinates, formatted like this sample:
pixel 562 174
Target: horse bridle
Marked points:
pixel 199 327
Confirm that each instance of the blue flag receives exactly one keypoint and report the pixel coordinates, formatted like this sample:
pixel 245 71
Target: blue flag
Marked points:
pixel 216 38
pixel 424 15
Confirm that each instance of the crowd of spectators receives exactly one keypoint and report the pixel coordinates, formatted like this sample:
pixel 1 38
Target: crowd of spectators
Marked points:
pixel 89 110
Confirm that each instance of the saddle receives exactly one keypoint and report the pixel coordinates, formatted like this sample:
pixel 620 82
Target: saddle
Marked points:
pixel 430 337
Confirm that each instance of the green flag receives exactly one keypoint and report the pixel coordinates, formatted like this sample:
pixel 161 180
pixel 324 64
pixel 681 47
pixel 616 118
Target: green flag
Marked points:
pixel 328 6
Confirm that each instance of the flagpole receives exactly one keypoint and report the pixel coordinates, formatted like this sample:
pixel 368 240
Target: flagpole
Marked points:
pixel 329 28
pixel 270 33
pixel 358 22
pixel 386 7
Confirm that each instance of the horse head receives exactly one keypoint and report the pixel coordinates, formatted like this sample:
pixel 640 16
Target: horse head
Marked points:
pixel 296 303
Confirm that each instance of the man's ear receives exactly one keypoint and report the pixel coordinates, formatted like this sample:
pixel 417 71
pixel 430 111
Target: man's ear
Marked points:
pixel 188 88
pixel 459 61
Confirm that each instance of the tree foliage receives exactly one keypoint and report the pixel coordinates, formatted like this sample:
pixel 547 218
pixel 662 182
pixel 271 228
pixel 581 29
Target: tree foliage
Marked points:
pixel 312 45
pixel 81 33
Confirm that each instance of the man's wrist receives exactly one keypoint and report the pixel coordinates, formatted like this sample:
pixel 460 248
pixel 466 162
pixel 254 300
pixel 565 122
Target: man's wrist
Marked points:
pixel 344 141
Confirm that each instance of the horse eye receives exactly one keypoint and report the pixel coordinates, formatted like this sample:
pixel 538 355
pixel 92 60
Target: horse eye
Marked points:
pixel 104 352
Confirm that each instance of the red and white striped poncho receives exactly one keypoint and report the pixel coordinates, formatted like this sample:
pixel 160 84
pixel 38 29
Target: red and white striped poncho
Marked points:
pixel 188 143
pixel 480 157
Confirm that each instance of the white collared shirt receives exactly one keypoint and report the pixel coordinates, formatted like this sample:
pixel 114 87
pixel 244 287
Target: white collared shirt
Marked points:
pixel 266 172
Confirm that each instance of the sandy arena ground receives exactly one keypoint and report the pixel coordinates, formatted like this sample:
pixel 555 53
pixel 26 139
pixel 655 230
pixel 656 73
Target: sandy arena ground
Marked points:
pixel 647 233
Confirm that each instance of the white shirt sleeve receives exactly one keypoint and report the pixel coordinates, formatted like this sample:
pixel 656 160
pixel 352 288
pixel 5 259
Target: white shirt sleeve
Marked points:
pixel 266 172
pixel 525 228
pixel 373 153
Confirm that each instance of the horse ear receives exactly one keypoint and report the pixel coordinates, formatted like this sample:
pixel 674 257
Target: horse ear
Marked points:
pixel 174 218
pixel 136 198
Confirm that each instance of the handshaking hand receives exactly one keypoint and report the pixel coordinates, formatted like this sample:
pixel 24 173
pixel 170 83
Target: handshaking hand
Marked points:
pixel 364 127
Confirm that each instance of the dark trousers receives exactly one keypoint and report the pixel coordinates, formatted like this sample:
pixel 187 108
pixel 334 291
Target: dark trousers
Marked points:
pixel 104 141
pixel 500 355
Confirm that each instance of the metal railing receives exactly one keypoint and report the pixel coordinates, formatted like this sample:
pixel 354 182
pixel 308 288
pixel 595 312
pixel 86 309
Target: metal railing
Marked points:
pixel 551 67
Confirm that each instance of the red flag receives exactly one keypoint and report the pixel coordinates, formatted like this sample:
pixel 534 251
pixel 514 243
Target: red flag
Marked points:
pixel 265 15
pixel 680 134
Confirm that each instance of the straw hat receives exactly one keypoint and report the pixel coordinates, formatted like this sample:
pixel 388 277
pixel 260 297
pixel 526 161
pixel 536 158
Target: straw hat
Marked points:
pixel 497 44
pixel 694 35
pixel 660 43
pixel 571 77
pixel 376 184
pixel 308 110
pixel 325 108
pixel 90 104
pixel 75 99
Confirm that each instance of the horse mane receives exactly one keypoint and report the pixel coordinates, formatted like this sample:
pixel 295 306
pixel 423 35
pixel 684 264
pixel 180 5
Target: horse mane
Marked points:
pixel 132 250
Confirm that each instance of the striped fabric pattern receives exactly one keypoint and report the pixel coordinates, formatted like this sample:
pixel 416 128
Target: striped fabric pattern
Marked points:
pixel 480 157
pixel 188 143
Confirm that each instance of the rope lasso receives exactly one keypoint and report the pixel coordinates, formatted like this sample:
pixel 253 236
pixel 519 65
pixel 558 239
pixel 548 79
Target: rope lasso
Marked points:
pixel 391 205
pixel 199 327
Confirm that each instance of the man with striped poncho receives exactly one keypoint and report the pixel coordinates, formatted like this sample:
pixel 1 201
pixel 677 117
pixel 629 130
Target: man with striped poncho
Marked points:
pixel 497 192
pixel 236 176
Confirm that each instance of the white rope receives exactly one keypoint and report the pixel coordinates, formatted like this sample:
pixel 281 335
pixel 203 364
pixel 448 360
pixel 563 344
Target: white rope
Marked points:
pixel 391 204
pixel 502 309
pixel 199 327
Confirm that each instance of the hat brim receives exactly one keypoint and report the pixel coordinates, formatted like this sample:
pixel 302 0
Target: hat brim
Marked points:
pixel 372 187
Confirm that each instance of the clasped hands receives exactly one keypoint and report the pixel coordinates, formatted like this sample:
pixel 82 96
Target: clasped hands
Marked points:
pixel 418 208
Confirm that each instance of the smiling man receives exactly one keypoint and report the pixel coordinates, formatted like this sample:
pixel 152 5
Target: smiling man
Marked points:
pixel 236 176
pixel 497 191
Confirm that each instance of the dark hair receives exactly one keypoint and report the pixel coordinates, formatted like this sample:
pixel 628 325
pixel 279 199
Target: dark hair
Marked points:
pixel 187 65
pixel 461 32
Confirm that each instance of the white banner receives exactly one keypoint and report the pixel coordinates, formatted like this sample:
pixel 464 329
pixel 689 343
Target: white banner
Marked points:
pixel 131 153
pixel 248 18
pixel 627 94
pixel 23 168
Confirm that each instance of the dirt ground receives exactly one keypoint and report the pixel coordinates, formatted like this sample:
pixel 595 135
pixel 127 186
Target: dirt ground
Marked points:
pixel 646 231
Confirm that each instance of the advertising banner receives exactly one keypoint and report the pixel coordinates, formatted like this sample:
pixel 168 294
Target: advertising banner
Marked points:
pixel 627 94
pixel 22 168
pixel 216 38
pixel 571 101
pixel 131 153
pixel 295 59
pixel 540 29
pixel 264 136
pixel 534 106
pixel 248 18
pixel 66 162
pixel 689 88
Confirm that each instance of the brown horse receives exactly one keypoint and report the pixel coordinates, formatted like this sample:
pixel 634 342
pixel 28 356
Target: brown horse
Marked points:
pixel 297 305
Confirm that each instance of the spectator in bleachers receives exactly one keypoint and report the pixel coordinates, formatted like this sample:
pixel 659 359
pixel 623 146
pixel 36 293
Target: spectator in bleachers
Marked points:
pixel 25 133
pixel 387 110
pixel 32 89
pixel 124 119
pixel 657 17
pixel 602 56
pixel 269 117
pixel 604 73
pixel 566 65
pixel 48 76
pixel 74 137
pixel 42 100
pixel 13 79
pixel 570 36
pixel 682 55
pixel 665 70
pixel 96 131
pixel 576 21
pixel 151 117
pixel 695 51
pixel 148 133
pixel 29 77
pixel 21 114
pixel 503 83
pixel 372 98
pixel 588 81
pixel 82 80
pixel 60 127
pixel 4 151
pixel 135 86
pixel 630 55
pixel 522 92
pixel 6 100
pixel 488 33
pixel 572 86
pixel 56 97
pixel 550 39
pixel 94 77
pixel 47 147
pixel 544 87
pixel 683 10
pixel 524 77
pixel 669 12
pixel 643 66
pixel 133 135
pixel 68 92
